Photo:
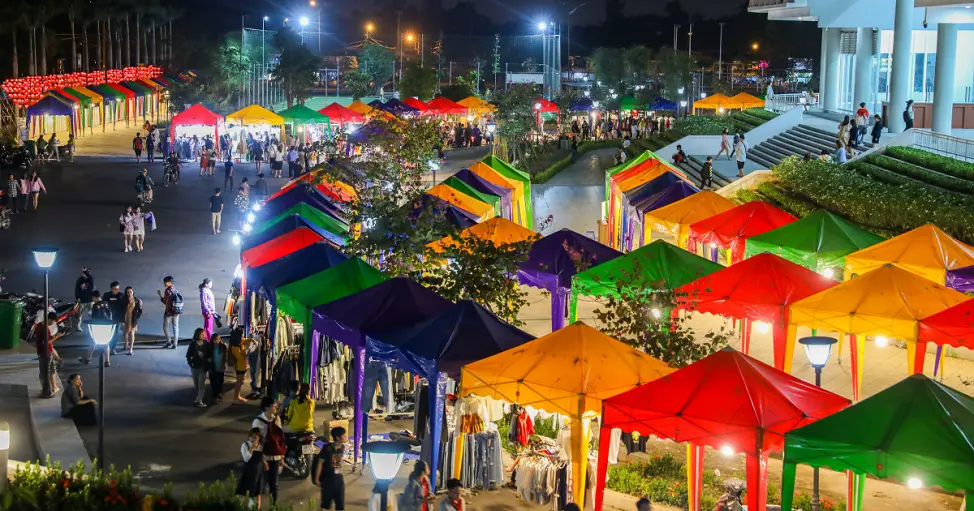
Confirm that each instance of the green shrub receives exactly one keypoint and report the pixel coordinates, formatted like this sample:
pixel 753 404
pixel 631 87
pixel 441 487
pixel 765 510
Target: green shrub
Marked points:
pixel 880 174
pixel 767 115
pixel 703 125
pixel 943 164
pixel 904 168
pixel 787 201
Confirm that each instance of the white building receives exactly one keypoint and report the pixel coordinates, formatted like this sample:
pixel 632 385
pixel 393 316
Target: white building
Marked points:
pixel 885 52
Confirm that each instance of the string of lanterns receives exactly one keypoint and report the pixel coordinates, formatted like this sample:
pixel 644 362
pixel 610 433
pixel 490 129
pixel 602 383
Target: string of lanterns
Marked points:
pixel 30 89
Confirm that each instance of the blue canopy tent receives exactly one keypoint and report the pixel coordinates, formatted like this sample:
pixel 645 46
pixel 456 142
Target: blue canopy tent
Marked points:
pixel 661 103
pixel 672 193
pixel 376 103
pixel 393 304
pixel 303 193
pixel 51 107
pixel 398 108
pixel 363 133
pixel 581 105
pixel 641 192
pixel 439 347
pixel 482 185
pixel 554 260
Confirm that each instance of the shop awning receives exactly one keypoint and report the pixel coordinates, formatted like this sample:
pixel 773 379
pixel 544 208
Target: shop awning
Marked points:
pixel 731 229
pixel 581 105
pixel 300 114
pixel 298 298
pixel 295 266
pixel 329 227
pixel 302 194
pixel 50 105
pixel 630 103
pixel 341 114
pixel 661 103
pixel 279 247
pixel 444 106
pixel 255 114
pixel 498 231
pixel 716 102
pixel 926 251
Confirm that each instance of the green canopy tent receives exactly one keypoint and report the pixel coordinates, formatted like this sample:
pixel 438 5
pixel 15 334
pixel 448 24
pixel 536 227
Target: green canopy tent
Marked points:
pixel 619 168
pixel 312 215
pixel 298 298
pixel 505 169
pixel 145 104
pixel 115 101
pixel 659 262
pixel 630 103
pixel 487 198
pixel 918 431
pixel 819 242
pixel 300 116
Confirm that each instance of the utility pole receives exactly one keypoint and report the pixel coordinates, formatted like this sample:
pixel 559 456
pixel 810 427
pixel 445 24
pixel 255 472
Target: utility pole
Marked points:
pixel 720 52
pixel 676 32
pixel 422 50
pixel 690 40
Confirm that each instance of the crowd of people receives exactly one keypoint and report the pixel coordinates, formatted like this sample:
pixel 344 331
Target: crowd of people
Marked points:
pixel 634 128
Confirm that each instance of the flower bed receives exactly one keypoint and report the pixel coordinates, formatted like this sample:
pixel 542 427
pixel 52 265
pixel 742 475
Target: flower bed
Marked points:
pixel 920 173
pixel 942 164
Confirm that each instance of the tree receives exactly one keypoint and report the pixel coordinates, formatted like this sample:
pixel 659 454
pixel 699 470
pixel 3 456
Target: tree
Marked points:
pixel 609 67
pixel 564 101
pixel 419 82
pixel 638 63
pixel 374 70
pixel 515 117
pixel 296 67
pixel 495 63
pixel 640 316
pixel 677 70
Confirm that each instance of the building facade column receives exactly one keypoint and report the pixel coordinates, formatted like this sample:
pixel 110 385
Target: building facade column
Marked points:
pixel 823 68
pixel 864 87
pixel 943 78
pixel 899 80
pixel 831 66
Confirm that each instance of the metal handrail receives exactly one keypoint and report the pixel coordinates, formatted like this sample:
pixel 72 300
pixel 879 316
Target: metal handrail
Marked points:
pixel 947 145
pixel 785 102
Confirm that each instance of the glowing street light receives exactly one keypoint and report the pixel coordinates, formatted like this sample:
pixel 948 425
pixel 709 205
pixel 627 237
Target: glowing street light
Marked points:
pixel 369 28
pixel 102 332
pixel 313 3
pixel 303 21
pixel 385 458
pixel 817 349
pixel 541 26
pixel 755 46
pixel 727 451
pixel 266 18
pixel 410 38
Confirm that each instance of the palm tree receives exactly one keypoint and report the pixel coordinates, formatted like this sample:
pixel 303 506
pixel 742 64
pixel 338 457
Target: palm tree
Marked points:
pixel 74 9
pixel 128 41
pixel 138 33
pixel 11 15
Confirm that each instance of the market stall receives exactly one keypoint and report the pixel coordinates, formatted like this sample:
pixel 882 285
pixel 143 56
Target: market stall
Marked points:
pixel 95 111
pixel 674 220
pixel 658 263
pixel 302 194
pixel 747 100
pixel 653 178
pixel 726 401
pixel 427 203
pixel 462 187
pixel 116 105
pixel 629 179
pixel 567 372
pixel 544 109
pixel 918 431
pixel 306 125
pixel 731 229
pixel 334 190
pixel 661 104
pixel 445 107
pixel 611 172
pixel 398 108
pixel 519 200
pixel 717 102
pixel 50 115
pixel 819 242
pixel 342 115
pixel 886 303
pixel 759 292
pixel 676 191
pixel 505 169
pixel 504 194
pixel 132 100
pixel 480 210
pixel 255 121
pixel 145 102
pixel 420 107
pixel 81 105
pixel 949 327
pixel 498 231
pixel 300 214
pixel 926 251
pixel 196 121
pixel 554 260
pixel 476 107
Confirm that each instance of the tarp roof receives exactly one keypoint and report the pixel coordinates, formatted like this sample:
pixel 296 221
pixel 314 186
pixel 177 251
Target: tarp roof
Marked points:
pixel 507 170
pixel 138 87
pixel 360 107
pixel 961 279
pixel 78 91
pixel 516 186
pixel 461 334
pixel 68 97
pixel 50 105
pixel 335 190
pixel 279 247
pixel 556 258
pixel 497 230
pixel 302 193
pixel 546 107
pixel 341 114
pixel 926 251
pixel 953 326
pixel 123 89
pixel 298 298
pixel 661 103
pixel 505 192
pixel 417 104
pixel 918 428
pixel 820 240
pixel 255 114
pixel 297 215
pixel 196 114
pixel 747 100
pixel 464 188
pixel 300 114
pixel 398 108
pixel 716 101
pixel 445 106
pixel 476 106
pixel 454 215
pixel 107 92
pixel 732 228
pixel 467 203
pixel 309 260
pixel 630 103
pixel 581 105
pixel 675 219
pixel 672 193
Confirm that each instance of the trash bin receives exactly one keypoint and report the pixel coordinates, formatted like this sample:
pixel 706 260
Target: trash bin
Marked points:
pixel 10 311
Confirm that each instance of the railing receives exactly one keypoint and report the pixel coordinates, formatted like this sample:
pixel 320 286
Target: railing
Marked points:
pixel 767 4
pixel 785 102
pixel 954 147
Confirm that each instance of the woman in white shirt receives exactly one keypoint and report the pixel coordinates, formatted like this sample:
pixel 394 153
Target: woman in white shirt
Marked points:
pixel 725 146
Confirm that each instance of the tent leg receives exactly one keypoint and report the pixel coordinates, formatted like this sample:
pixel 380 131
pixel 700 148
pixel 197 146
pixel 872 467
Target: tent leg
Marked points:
pixel 605 438
pixel 854 491
pixel 788 486
pixel 694 474
pixel 757 482
pixel 357 387
pixel 579 446
pixel 746 336
pixel 437 393
pixel 558 297
pixel 938 360
pixel 855 347
pixel 916 354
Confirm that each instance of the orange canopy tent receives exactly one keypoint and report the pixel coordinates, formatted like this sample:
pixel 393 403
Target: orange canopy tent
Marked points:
pixel 731 229
pixel 716 102
pixel 463 201
pixel 360 107
pixel 747 100
pixel 498 230
pixel 675 219
pixel 335 189
pixel 477 106
pixel 926 251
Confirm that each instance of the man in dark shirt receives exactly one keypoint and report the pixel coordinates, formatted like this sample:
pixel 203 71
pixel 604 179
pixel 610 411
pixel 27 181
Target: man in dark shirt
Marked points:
pixel 83 289
pixel 707 173
pixel 76 405
pixel 329 470
pixel 116 302
pixel 216 210
pixel 228 174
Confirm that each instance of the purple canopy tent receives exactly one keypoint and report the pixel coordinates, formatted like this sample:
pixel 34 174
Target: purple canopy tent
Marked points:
pixel 554 260
pixel 395 303
pixel 455 215
pixel 676 191
pixel 482 185
pixel 961 279
pixel 303 193
pixel 639 193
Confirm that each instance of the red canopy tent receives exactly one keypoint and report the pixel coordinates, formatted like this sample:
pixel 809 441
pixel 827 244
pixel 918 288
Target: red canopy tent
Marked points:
pixel 423 108
pixel 275 249
pixel 444 106
pixel 731 228
pixel 543 106
pixel 341 114
pixel 953 327
pixel 760 288
pixel 726 400
pixel 197 114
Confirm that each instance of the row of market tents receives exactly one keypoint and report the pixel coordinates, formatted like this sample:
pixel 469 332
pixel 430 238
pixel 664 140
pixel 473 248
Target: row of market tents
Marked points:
pixel 80 108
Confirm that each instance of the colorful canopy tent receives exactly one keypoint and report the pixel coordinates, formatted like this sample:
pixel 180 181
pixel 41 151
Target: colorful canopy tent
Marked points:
pixel 519 206
pixel 544 106
pixel 612 172
pixel 481 210
pixel 659 263
pixel 300 114
pixel 476 106
pixel 632 178
pixel 197 115
pixel 676 191
pixel 421 107
pixel 554 260
pixel 630 103
pixel 761 288
pixel 570 372
pixel 444 106
pixel 675 219
pixel 302 194
pixel 888 301
pixel 132 98
pixel 147 101
pixel 716 102
pixel 256 115
pixel 464 188
pixel 399 109
pixel 961 279
pixel 341 114
pixel 581 105
pixel 438 347
pixel 51 114
pixel 115 105
pixel 300 214
pixel 360 107
pixel 505 169
pixel 456 216
pixel 660 103
pixel 498 231
pixel 726 400
pixel 298 298
pixel 504 194
pixel 747 101
pixel 917 429
pixel 334 190
pixel 628 213
pixel 819 242
pixel 926 251
pixel 731 229
pixel 951 327
pixel 393 304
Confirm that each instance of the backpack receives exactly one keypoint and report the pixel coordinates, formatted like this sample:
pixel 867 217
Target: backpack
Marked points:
pixel 274 443
pixel 138 143
pixel 906 116
pixel 177 301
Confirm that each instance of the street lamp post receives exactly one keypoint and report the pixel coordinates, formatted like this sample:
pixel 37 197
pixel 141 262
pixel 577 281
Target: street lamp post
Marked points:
pixel 263 63
pixel 314 3
pixel 4 453
pixel 101 331
pixel 817 349
pixel 385 458
pixel 44 257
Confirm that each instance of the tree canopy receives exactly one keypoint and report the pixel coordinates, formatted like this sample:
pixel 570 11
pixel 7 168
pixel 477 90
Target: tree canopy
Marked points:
pixel 296 67
pixel 419 82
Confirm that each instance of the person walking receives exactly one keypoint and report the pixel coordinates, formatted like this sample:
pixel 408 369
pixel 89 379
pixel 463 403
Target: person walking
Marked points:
pixel 908 115
pixel 116 302
pixel 137 144
pixel 251 483
pixel 150 147
pixel 138 228
pixel 100 311
pixel 204 162
pixel 174 307
pixel 707 173
pixel 725 146
pixel 416 496
pixel 228 174
pixel 862 121
pixel 329 470
pixel 133 313
pixel 45 333
pixel 877 129
pixel 211 162
pixel 259 189
pixel 196 359
pixel 35 186
pixel 242 200
pixel 83 289
pixel 216 210
pixel 14 193
pixel 208 306
pixel 127 227
pixel 258 155
pixel 741 154
pixel 272 438
pixel 217 356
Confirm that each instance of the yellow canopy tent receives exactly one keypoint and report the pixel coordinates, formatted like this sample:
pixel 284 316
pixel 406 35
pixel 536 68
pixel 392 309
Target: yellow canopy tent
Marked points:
pixel 747 101
pixel 616 206
pixel 520 207
pixel 716 102
pixel 498 230
pixel 360 107
pixel 569 371
pixel 463 201
pixel 256 115
pixel 926 251
pixel 477 106
pixel 675 219
pixel 888 301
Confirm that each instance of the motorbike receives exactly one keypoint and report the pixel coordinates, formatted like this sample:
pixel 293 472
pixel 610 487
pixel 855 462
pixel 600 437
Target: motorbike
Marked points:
pixel 170 174
pixel 15 157
pixel 33 304
pixel 731 499
pixel 300 453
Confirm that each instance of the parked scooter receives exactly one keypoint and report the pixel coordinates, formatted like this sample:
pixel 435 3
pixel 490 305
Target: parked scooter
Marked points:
pixel 731 499
pixel 300 453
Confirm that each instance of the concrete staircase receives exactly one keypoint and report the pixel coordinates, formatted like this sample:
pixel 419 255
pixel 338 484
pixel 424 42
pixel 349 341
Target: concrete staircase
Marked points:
pixel 693 168
pixel 795 142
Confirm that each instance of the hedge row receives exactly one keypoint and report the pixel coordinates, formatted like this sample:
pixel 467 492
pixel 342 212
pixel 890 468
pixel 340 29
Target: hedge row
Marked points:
pixel 767 115
pixel 931 177
pixel 942 164
pixel 879 174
